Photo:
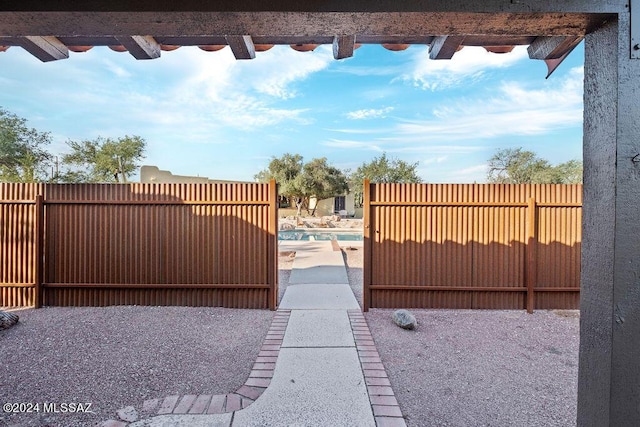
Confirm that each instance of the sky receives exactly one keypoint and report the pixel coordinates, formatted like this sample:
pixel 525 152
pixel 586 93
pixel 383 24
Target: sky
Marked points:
pixel 208 114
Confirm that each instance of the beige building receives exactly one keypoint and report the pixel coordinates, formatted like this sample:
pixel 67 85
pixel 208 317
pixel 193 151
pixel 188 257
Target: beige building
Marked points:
pixel 152 174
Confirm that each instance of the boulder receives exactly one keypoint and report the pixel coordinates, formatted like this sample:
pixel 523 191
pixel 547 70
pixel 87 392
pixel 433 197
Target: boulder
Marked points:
pixel 7 320
pixel 404 319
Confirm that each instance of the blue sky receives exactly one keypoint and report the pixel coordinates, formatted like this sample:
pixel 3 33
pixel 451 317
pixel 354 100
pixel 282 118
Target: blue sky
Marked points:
pixel 206 114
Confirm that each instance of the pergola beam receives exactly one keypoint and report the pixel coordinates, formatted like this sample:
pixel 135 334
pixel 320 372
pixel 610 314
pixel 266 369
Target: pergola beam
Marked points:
pixel 343 46
pixel 241 46
pixel 141 47
pixel 443 47
pixel 45 48
pixel 552 47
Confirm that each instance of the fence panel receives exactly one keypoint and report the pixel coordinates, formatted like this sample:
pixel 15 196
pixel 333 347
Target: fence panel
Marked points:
pixel 472 246
pixel 154 244
pixel 18 251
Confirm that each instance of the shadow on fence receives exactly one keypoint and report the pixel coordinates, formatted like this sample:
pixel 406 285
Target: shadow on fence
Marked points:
pixel 195 245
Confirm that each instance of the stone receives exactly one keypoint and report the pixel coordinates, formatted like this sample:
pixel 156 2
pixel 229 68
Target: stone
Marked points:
pixel 7 319
pixel 404 319
pixel 128 414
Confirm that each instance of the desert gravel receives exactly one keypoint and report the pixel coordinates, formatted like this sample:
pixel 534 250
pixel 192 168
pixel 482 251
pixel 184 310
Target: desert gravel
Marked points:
pixel 479 367
pixel 482 368
pixel 117 356
pixel 458 368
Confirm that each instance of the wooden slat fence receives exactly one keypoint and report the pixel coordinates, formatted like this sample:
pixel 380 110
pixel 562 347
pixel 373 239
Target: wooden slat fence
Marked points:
pixel 146 244
pixel 492 246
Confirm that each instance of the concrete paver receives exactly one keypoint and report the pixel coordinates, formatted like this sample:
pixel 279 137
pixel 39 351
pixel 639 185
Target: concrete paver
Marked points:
pixel 318 263
pixel 318 365
pixel 218 420
pixel 319 297
pixel 318 328
pixel 312 387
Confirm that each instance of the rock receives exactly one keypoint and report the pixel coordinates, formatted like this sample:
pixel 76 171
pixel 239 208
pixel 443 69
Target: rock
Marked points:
pixel 287 226
pixel 128 414
pixel 404 319
pixel 7 320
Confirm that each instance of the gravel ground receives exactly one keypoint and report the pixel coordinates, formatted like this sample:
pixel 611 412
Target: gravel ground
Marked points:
pixel 479 367
pixel 118 356
pixel 458 368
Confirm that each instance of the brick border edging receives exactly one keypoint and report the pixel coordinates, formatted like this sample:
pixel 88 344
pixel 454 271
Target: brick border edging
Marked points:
pixel 386 410
pixel 258 381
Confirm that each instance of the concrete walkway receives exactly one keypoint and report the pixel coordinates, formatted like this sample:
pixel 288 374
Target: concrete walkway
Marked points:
pixel 318 367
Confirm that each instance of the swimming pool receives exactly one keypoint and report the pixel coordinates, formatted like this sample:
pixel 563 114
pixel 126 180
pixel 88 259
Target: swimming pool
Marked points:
pixel 320 235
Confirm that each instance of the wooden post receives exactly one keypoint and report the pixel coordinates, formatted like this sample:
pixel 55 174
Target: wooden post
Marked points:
pixel 272 253
pixel 530 269
pixel 39 249
pixel 367 246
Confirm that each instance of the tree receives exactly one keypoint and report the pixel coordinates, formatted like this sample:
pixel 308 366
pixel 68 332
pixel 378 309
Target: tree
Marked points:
pixel 103 160
pixel 383 170
pixel 518 166
pixel 569 172
pixel 298 182
pixel 284 170
pixel 23 157
pixel 320 180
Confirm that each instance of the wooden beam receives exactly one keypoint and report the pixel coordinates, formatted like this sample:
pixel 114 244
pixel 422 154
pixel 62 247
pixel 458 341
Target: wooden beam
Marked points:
pixel 343 46
pixel 141 47
pixel 241 46
pixel 45 48
pixel 291 25
pixel 443 47
pixel 552 47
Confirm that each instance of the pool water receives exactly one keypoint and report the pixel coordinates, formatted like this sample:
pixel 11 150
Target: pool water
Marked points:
pixel 319 235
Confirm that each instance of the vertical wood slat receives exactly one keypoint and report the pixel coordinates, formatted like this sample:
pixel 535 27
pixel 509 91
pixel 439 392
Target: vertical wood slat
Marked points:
pixel 124 235
pixel 489 241
pixel 39 250
pixel 531 266
pixel 367 246
pixel 272 253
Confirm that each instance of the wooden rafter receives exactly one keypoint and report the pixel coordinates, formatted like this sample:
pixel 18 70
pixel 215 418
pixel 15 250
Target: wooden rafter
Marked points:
pixel 45 48
pixel 141 47
pixel 343 46
pixel 552 47
pixel 443 47
pixel 241 46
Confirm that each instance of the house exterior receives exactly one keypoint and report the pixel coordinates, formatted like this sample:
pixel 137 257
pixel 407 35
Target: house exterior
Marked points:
pixel 338 205
pixel 153 174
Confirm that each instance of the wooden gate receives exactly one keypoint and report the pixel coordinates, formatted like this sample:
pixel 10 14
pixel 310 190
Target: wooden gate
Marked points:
pixel 146 244
pixel 497 246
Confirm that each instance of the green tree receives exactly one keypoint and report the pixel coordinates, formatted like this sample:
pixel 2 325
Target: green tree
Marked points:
pixel 568 172
pixel 382 170
pixel 518 166
pixel 320 180
pixel 298 182
pixel 103 159
pixel 284 170
pixel 23 157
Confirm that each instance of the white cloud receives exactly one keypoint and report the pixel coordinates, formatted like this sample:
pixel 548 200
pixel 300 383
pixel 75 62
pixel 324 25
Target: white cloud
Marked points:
pixel 469 64
pixel 116 70
pixel 433 160
pixel 358 131
pixel 350 144
pixel 274 73
pixel 369 114
pixel 515 110
pixel 205 92
pixel 474 173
